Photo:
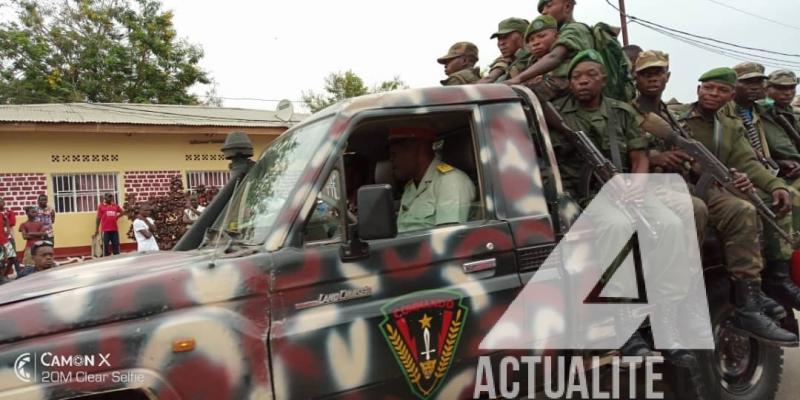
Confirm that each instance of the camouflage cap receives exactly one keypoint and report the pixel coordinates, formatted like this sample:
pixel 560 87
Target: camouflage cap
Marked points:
pixel 651 58
pixel 586 55
pixel 747 70
pixel 782 77
pixel 723 74
pixel 457 50
pixel 509 25
pixel 541 23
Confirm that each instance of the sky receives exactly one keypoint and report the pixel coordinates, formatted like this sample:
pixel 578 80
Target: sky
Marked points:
pixel 276 49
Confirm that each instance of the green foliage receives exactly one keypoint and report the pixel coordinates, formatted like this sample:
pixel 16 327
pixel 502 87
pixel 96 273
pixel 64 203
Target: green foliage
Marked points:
pixel 95 51
pixel 344 85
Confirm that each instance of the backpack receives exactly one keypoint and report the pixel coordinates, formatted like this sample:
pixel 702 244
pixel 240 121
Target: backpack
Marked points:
pixel 619 83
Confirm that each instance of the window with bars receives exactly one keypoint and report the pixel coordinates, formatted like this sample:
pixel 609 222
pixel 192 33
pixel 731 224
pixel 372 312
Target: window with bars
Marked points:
pixel 208 179
pixel 83 192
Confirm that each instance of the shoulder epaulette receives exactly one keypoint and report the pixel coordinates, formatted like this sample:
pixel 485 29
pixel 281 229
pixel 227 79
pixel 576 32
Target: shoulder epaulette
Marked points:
pixel 444 167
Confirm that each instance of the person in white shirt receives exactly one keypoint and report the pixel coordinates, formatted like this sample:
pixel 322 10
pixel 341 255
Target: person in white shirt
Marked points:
pixel 192 211
pixel 143 228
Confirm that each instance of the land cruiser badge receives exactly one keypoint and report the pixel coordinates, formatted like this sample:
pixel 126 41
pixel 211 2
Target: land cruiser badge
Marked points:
pixel 423 330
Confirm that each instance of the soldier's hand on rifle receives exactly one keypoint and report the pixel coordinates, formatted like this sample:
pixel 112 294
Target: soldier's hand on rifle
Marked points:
pixel 671 160
pixel 512 81
pixel 789 168
pixel 741 182
pixel 781 201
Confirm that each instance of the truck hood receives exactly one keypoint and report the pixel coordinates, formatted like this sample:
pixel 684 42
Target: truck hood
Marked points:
pixel 102 270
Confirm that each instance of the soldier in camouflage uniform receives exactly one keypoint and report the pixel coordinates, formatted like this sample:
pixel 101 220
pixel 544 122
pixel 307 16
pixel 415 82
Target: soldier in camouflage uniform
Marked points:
pixel 539 38
pixel 735 220
pixel 573 37
pixel 777 252
pixel 781 125
pixel 651 70
pixel 614 128
pixel 717 128
pixel 510 41
pixel 459 64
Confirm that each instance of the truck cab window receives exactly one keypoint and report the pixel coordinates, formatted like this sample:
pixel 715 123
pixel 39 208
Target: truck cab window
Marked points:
pixel 438 149
pixel 326 221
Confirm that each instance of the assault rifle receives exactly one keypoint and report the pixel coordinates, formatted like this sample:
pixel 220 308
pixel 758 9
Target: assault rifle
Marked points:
pixel 601 167
pixel 711 165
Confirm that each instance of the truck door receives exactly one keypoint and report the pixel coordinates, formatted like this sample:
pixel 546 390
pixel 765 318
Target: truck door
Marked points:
pixel 406 320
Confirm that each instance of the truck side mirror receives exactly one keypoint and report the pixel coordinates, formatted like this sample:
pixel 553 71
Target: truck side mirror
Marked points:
pixel 376 220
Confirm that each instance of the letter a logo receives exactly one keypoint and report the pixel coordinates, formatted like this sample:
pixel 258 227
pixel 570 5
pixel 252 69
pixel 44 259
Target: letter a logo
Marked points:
pixel 619 264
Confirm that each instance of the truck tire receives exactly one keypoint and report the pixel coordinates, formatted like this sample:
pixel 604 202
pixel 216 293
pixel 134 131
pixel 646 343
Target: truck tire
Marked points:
pixel 740 368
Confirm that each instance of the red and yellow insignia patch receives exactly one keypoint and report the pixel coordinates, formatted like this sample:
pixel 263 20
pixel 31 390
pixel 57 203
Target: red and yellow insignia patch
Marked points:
pixel 423 330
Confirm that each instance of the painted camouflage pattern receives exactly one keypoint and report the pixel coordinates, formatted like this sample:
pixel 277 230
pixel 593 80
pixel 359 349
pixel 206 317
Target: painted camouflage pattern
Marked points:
pixel 252 340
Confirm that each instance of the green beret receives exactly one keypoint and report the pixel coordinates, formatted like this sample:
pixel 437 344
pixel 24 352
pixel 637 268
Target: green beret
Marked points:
pixel 723 74
pixel 586 55
pixel 541 5
pixel 541 23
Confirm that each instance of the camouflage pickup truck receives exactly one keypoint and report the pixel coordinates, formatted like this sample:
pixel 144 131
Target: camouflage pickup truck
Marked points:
pixel 289 291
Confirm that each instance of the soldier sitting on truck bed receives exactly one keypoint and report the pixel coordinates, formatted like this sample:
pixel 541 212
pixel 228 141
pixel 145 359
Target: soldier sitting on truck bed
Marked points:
pixel 512 48
pixel 539 38
pixel 614 128
pixel 573 37
pixel 459 64
pixel 721 132
pixel 435 193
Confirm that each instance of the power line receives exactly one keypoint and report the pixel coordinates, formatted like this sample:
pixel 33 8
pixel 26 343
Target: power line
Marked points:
pixel 677 31
pixel 754 15
pixel 733 53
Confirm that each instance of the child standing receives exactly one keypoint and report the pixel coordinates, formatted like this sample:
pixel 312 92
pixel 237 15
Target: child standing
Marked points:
pixel 32 231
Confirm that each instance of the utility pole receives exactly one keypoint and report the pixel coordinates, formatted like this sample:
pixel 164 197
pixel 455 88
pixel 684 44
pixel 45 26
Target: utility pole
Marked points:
pixel 624 21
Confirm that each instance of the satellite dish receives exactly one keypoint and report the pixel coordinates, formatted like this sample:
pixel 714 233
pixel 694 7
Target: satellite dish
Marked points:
pixel 284 111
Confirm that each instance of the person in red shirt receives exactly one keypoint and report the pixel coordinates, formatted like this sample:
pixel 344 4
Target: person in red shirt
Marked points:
pixel 108 213
pixel 32 231
pixel 8 249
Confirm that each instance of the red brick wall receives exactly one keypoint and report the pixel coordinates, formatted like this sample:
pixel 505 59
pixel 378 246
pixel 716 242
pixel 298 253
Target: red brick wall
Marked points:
pixel 146 184
pixel 21 189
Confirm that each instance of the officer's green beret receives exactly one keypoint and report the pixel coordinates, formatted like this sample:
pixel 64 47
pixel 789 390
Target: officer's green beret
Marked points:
pixel 541 5
pixel 586 55
pixel 541 23
pixel 723 74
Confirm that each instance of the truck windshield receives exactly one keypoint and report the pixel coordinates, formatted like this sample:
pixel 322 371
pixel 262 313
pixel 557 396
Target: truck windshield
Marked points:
pixel 267 186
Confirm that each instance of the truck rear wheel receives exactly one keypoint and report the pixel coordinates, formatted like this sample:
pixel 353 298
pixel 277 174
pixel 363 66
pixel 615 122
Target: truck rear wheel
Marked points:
pixel 740 368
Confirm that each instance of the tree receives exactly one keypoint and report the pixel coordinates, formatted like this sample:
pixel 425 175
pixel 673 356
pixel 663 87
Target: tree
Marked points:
pixel 95 51
pixel 344 85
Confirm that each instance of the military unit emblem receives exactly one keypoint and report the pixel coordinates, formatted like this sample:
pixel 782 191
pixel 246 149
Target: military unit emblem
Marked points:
pixel 423 330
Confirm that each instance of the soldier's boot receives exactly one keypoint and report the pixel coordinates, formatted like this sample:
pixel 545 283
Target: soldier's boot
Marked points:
pixel 749 319
pixel 778 285
pixel 684 358
pixel 636 346
pixel 772 308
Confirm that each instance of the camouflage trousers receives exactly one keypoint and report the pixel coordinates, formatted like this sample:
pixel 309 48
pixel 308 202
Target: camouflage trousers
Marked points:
pixel 775 247
pixel 736 222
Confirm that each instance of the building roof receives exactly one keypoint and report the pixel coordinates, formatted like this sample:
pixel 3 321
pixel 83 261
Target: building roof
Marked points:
pixel 142 114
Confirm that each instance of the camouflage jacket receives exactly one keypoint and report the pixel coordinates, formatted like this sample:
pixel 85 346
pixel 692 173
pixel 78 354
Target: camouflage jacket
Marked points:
pixel 463 77
pixel 780 144
pixel 729 143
